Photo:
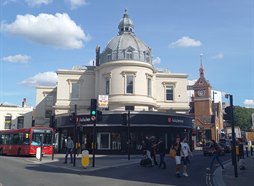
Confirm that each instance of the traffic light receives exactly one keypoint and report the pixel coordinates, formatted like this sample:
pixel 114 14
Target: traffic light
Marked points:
pixel 99 116
pixel 228 114
pixel 93 107
pixel 72 117
pixel 124 119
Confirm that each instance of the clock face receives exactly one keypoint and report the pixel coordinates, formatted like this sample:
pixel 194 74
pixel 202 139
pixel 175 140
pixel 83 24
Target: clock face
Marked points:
pixel 201 92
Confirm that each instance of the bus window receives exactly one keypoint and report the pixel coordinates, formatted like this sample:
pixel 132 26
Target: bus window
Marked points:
pixel 36 138
pixel 1 139
pixel 15 139
pixel 26 139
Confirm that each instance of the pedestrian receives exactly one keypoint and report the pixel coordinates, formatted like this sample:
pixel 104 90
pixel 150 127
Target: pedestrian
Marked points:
pixel 177 147
pixel 69 149
pixel 216 153
pixel 186 153
pixel 162 151
pixel 251 150
pixel 154 150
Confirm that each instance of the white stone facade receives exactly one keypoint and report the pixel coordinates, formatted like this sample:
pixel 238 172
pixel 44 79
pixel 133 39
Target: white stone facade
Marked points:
pixel 125 73
pixel 13 117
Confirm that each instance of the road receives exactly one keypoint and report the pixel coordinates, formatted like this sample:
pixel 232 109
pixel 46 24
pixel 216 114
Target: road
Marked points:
pixel 20 171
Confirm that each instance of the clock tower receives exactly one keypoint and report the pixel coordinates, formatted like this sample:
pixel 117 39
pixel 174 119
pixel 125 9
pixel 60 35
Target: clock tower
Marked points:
pixel 203 111
pixel 202 94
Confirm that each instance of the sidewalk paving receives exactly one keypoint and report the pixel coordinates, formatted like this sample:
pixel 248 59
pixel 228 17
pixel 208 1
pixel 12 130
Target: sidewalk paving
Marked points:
pixel 227 177
pixel 101 162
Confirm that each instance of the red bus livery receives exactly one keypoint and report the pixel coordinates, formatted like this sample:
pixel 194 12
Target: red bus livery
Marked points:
pixel 26 141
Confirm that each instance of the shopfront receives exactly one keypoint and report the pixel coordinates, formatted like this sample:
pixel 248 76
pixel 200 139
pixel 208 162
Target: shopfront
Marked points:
pixel 112 135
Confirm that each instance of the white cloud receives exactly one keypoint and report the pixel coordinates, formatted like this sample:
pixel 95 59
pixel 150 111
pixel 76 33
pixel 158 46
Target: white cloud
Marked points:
pixel 218 56
pixel 157 60
pixel 248 102
pixel 185 42
pixel 76 3
pixel 17 58
pixel 57 30
pixel 37 2
pixel 41 79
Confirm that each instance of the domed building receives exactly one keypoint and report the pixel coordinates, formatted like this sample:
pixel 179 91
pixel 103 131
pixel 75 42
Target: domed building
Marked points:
pixel 155 101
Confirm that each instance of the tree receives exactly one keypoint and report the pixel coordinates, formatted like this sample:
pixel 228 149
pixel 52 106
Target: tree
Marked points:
pixel 242 117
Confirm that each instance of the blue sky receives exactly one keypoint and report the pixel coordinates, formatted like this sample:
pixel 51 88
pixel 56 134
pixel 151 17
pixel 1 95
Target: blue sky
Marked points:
pixel 40 36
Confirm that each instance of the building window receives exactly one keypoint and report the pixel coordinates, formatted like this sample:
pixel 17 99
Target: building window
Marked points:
pixel 8 122
pixel 129 84
pixel 20 122
pixel 149 87
pixel 107 86
pixel 169 93
pixel 49 100
pixel 75 91
pixel 109 56
pixel 48 113
pixel 129 107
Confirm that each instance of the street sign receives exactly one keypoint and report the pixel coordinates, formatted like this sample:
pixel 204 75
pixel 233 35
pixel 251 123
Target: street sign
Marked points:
pixel 93 118
pixel 103 101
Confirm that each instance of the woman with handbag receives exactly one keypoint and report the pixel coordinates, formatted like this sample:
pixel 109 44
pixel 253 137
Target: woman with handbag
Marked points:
pixel 177 148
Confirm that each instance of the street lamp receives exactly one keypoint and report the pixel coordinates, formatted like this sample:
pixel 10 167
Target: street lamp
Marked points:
pixel 233 133
pixel 214 115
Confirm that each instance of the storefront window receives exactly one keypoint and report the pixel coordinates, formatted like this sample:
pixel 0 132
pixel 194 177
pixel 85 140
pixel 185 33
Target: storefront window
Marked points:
pixel 116 141
pixel 104 141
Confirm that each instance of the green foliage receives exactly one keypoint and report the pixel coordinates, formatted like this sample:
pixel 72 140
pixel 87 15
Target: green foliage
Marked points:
pixel 242 117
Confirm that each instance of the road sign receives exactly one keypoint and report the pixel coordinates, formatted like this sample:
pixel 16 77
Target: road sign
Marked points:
pixel 93 118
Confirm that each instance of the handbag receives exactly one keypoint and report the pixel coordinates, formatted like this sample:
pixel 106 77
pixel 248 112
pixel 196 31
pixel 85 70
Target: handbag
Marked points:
pixel 172 153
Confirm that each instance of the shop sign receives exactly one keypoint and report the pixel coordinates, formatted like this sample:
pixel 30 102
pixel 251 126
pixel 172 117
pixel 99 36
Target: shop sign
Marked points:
pixel 175 120
pixel 103 101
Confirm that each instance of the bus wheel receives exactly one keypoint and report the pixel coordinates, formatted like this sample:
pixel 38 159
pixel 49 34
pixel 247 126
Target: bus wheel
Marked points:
pixel 19 152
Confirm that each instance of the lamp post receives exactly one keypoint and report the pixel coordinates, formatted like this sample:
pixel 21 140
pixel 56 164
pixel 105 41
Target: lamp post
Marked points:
pixel 233 133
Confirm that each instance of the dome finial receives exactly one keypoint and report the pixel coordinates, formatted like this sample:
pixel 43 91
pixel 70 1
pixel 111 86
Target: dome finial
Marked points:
pixel 126 25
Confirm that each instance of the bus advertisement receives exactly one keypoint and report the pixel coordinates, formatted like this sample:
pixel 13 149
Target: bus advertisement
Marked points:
pixel 25 141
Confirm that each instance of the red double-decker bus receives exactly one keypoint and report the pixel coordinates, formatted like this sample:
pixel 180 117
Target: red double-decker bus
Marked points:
pixel 26 141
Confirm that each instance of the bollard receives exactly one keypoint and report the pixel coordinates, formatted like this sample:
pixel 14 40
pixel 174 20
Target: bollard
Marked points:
pixel 85 158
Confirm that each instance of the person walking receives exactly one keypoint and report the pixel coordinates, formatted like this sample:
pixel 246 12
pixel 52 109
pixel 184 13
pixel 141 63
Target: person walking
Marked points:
pixel 162 151
pixel 186 153
pixel 69 149
pixel 216 154
pixel 177 147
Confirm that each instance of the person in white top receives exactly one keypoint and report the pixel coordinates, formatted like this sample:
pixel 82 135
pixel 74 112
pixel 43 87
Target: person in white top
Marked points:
pixel 185 153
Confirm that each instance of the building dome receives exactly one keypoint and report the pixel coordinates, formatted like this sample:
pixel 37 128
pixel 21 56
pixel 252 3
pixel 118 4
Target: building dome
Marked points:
pixel 126 46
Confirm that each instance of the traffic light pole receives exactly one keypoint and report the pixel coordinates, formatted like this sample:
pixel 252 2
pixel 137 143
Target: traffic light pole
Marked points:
pixel 75 135
pixel 94 141
pixel 129 139
pixel 233 136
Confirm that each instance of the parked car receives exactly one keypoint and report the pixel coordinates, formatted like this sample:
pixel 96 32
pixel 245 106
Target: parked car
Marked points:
pixel 208 149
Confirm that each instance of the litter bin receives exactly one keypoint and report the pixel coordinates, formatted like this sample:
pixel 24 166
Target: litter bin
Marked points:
pixel 85 158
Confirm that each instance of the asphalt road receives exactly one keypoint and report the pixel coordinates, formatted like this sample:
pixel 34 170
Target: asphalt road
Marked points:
pixel 19 171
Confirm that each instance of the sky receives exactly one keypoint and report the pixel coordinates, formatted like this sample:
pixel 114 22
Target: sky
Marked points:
pixel 38 37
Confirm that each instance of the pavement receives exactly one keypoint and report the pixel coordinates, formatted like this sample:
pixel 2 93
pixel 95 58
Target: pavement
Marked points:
pixel 227 177
pixel 220 177
pixel 101 162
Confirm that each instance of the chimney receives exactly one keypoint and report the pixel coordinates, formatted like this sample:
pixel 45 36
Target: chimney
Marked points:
pixel 24 102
